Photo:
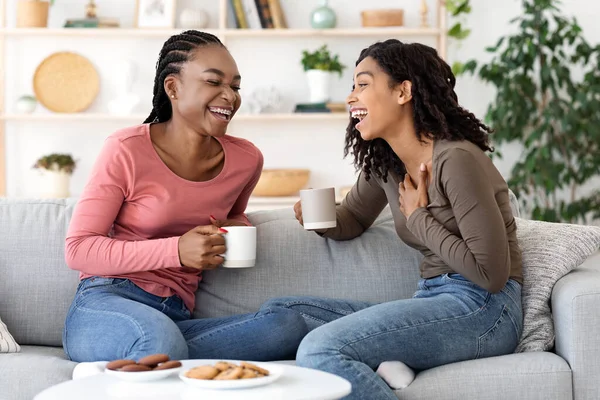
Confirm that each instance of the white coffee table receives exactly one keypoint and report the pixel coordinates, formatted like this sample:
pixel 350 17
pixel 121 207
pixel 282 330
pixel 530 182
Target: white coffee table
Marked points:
pixel 296 383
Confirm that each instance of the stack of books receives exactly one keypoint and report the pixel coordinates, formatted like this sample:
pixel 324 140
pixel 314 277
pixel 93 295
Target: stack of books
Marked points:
pixel 256 14
pixel 321 108
pixel 92 23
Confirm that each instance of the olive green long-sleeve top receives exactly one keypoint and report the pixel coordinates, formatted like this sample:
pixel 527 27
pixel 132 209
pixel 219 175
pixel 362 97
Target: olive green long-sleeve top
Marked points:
pixel 467 227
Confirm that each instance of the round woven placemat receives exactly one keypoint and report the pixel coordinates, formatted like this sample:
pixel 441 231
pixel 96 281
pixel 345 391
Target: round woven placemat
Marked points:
pixel 66 82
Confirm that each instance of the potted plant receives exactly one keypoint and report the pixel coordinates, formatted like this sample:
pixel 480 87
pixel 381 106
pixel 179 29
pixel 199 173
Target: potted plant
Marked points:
pixel 547 81
pixel 320 66
pixel 55 170
pixel 32 13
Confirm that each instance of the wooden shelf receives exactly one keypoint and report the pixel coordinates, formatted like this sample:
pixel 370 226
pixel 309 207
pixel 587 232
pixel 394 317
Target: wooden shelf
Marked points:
pixel 164 33
pixel 48 117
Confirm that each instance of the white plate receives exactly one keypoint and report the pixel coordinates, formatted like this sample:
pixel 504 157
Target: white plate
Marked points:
pixel 275 372
pixel 146 376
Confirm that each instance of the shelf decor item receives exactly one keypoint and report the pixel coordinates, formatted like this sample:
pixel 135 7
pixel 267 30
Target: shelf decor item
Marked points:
pixel 323 17
pixel 193 18
pixel 382 18
pixel 320 66
pixel 55 175
pixel 26 104
pixel 66 82
pixel 155 13
pixel 281 182
pixel 32 13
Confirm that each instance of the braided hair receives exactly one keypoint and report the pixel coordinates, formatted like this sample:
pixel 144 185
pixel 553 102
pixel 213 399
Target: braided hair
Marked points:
pixel 176 51
pixel 436 112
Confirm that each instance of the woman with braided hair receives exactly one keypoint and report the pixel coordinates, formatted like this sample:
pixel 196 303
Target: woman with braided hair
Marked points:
pixel 422 154
pixel 152 217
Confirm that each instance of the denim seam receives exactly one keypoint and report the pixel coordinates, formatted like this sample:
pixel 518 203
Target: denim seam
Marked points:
pixel 416 325
pixel 493 328
pixel 317 305
pixel 223 328
pixel 125 316
pixel 84 291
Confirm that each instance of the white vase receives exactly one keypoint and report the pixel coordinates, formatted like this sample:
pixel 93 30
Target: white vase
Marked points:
pixel 319 83
pixel 54 184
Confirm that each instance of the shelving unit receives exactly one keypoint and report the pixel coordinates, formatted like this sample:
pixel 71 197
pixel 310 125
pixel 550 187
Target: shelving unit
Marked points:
pixel 439 33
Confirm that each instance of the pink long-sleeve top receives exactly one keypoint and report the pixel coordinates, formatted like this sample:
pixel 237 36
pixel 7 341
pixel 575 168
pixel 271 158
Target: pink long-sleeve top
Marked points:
pixel 133 210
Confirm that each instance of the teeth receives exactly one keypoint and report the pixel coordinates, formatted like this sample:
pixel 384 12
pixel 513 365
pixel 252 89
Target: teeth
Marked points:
pixel 359 114
pixel 220 110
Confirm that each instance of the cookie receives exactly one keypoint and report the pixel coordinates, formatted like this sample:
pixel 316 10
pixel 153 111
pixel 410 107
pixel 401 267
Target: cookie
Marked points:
pixel 248 374
pixel 153 360
pixel 135 368
pixel 254 368
pixel 168 365
pixel 115 365
pixel 224 366
pixel 203 372
pixel 230 374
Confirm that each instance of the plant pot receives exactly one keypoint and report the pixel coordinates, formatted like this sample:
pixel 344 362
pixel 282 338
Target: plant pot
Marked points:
pixel 319 83
pixel 54 184
pixel 32 14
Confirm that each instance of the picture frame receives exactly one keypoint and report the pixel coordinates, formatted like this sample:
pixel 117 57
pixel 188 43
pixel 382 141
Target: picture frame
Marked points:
pixel 155 14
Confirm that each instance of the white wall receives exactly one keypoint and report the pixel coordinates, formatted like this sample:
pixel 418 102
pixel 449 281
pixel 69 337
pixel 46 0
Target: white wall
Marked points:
pixel 315 145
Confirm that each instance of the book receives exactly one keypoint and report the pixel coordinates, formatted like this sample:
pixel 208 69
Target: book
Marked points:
pixel 232 21
pixel 312 108
pixel 279 21
pixel 240 16
pixel 92 23
pixel 252 14
pixel 266 20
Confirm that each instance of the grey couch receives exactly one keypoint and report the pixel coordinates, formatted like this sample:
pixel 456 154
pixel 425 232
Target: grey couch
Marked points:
pixel 36 288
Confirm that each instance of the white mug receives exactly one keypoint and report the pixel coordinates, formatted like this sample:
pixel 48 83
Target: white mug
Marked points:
pixel 240 244
pixel 318 208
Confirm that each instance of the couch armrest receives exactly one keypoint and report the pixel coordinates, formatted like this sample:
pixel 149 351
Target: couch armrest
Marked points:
pixel 576 314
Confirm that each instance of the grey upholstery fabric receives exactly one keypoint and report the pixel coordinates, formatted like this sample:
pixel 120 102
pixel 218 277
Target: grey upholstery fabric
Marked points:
pixel 36 285
pixel 531 376
pixel 550 251
pixel 375 267
pixel 35 368
pixel 576 314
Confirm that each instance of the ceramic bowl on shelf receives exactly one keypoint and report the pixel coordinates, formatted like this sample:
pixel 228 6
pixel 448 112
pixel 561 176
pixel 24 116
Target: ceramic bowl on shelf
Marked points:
pixel 281 182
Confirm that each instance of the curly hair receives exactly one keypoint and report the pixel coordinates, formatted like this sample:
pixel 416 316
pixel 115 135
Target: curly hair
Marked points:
pixel 437 114
pixel 176 51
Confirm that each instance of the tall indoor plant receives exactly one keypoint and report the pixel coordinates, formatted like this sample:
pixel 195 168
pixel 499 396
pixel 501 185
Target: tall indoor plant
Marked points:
pixel 320 66
pixel 547 80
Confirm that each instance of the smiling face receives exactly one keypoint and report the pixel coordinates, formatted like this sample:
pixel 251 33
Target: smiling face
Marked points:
pixel 205 94
pixel 378 105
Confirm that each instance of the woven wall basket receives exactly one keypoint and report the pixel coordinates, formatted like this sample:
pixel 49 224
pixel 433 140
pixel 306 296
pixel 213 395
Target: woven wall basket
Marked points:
pixel 66 82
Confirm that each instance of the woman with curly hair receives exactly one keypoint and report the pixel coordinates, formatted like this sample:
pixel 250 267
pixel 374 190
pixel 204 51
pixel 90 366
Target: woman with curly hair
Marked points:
pixel 423 154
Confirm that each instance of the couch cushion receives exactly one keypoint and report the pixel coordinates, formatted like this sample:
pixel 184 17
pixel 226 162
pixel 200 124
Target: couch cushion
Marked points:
pixel 531 376
pixel 37 286
pixel 35 368
pixel 377 266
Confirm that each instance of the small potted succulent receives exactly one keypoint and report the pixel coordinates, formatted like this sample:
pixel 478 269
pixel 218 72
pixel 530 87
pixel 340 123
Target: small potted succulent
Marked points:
pixel 55 170
pixel 320 66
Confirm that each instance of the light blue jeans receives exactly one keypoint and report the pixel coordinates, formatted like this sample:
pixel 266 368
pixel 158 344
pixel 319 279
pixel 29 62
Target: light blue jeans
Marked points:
pixel 449 319
pixel 113 319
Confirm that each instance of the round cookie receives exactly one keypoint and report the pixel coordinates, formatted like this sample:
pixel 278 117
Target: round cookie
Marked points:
pixel 230 374
pixel 202 372
pixel 168 365
pixel 249 374
pixel 135 368
pixel 153 360
pixel 116 364
pixel 254 368
pixel 224 366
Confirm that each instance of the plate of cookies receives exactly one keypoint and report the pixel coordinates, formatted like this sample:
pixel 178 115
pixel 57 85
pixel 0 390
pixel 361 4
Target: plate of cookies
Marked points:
pixel 149 368
pixel 231 375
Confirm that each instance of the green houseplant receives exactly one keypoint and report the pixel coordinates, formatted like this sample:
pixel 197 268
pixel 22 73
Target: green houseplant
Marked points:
pixel 547 81
pixel 319 67
pixel 55 174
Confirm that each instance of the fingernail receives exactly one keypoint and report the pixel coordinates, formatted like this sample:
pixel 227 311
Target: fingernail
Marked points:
pixel 222 230
pixel 423 167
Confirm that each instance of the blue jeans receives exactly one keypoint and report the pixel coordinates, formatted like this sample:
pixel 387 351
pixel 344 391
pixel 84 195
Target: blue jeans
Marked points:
pixel 449 319
pixel 113 319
